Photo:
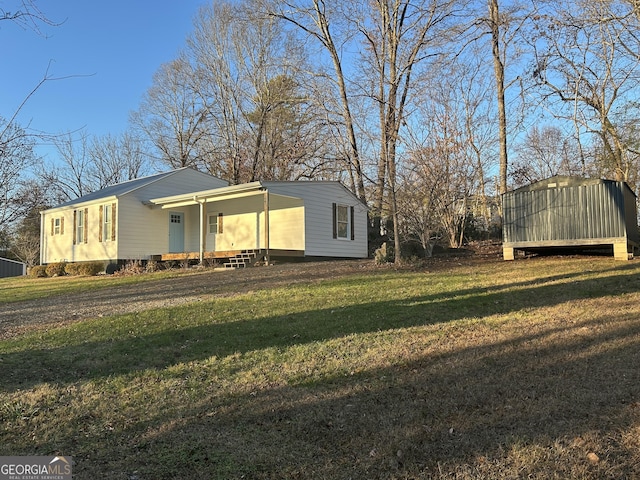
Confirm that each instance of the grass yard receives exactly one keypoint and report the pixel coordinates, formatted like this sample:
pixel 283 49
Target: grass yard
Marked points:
pixel 474 369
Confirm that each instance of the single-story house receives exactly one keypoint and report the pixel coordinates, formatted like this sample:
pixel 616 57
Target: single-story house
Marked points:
pixel 571 212
pixel 186 214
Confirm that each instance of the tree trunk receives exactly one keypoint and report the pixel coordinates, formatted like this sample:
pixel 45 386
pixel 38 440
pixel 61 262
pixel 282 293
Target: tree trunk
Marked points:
pixel 498 66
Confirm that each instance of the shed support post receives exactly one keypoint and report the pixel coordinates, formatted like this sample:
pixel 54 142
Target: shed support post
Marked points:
pixel 620 251
pixel 508 253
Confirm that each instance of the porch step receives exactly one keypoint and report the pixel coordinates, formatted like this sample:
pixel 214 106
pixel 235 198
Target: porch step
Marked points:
pixel 242 260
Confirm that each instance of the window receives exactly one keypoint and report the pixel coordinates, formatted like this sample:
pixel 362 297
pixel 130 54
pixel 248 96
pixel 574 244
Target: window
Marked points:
pixel 343 226
pixel 80 220
pixel 214 223
pixel 342 221
pixel 107 223
pixel 57 226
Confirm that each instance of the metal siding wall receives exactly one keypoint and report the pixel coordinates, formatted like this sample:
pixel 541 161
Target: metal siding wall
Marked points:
pixel 631 215
pixel 10 268
pixel 569 213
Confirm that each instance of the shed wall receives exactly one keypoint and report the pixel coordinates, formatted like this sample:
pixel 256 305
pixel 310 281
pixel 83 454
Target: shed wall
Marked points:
pixel 566 214
pixel 11 268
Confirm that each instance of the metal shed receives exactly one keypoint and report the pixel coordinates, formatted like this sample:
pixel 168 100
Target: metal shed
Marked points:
pixel 570 212
pixel 11 268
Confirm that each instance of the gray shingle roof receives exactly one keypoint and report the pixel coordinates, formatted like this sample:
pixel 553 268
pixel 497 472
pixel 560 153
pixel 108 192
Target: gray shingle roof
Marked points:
pixel 118 189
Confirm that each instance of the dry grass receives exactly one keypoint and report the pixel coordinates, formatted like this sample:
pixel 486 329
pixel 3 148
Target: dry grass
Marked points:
pixel 526 369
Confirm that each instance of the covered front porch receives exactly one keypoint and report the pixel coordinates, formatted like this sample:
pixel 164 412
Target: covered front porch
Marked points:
pixel 226 223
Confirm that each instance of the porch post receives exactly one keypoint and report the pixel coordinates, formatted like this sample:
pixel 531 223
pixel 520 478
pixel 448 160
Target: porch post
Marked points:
pixel 266 225
pixel 203 234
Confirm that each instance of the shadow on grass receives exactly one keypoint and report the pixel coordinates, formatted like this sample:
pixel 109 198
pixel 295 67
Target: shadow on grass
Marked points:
pixel 414 419
pixel 117 356
pixel 410 420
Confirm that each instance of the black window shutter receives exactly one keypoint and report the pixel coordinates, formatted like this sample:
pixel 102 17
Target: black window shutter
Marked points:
pixel 353 226
pixel 335 221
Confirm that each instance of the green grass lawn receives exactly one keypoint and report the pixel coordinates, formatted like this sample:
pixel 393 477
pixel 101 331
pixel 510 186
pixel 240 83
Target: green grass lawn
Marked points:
pixel 526 369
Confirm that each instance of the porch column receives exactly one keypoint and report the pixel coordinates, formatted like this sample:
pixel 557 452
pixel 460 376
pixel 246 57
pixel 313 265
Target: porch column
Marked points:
pixel 203 233
pixel 266 225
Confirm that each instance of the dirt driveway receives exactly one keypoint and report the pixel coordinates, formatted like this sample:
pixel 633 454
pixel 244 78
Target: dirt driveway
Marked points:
pixel 187 288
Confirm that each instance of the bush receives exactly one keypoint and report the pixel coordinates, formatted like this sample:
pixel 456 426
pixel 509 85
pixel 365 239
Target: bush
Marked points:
pixel 112 268
pixel 38 271
pixel 72 269
pixel 91 268
pixel 132 267
pixel 384 254
pixel 152 266
pixel 55 269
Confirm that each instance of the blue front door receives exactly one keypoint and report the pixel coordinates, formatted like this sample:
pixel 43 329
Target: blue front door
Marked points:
pixel 176 232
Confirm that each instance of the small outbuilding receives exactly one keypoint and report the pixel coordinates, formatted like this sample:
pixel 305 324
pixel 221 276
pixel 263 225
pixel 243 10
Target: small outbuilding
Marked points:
pixel 11 268
pixel 575 212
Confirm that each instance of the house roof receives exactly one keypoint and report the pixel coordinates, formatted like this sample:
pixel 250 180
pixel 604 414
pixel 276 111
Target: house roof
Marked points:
pixel 120 189
pixel 232 191
pixel 117 189
pixel 561 181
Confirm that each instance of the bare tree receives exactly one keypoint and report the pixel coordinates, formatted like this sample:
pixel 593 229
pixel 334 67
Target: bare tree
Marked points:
pixel 171 115
pixel 399 36
pixel 585 62
pixel 320 20
pixel 116 159
pixel 71 177
pixel 26 14
pixel 16 156
pixel 545 152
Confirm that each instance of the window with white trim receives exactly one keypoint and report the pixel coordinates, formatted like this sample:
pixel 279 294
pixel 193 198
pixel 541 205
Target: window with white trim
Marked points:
pixel 80 225
pixel 342 221
pixel 107 222
pixel 57 226
pixel 214 223
pixel 343 226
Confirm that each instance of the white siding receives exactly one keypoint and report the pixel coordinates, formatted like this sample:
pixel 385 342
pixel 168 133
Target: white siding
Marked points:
pixel 319 198
pixel 286 223
pixel 140 230
pixel 143 231
pixel 182 181
pixel 60 247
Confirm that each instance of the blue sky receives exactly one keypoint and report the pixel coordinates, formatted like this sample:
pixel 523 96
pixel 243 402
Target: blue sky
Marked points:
pixel 107 52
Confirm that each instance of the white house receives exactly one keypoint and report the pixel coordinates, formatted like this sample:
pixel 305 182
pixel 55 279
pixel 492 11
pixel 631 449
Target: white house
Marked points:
pixel 188 214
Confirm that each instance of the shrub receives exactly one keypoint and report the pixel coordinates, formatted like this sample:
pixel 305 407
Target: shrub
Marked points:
pixel 112 268
pixel 38 271
pixel 132 267
pixel 152 266
pixel 384 254
pixel 55 269
pixel 72 269
pixel 91 268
